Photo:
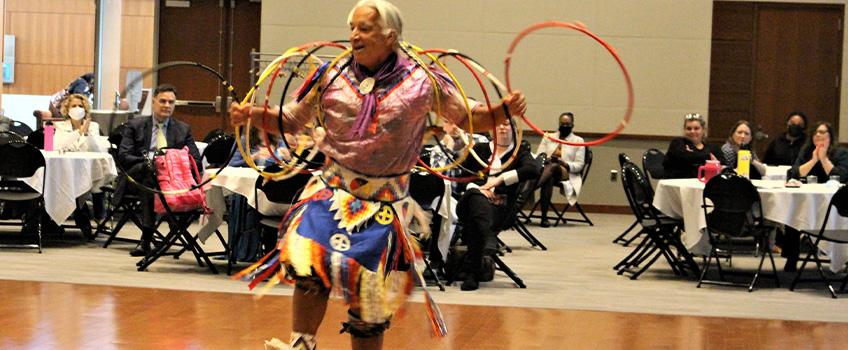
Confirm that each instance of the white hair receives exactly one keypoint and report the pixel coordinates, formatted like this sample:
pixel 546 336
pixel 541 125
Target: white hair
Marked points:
pixel 390 17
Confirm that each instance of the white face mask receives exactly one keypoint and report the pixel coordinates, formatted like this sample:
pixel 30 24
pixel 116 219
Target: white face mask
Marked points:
pixel 76 113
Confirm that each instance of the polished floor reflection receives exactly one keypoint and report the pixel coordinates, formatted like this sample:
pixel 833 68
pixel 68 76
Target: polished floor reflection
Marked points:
pixel 40 315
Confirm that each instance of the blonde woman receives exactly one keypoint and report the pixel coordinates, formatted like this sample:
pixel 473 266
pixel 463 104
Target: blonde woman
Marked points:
pixel 77 132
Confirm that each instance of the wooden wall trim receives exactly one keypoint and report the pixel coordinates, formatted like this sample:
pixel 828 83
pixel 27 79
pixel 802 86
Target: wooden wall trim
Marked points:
pixel 589 136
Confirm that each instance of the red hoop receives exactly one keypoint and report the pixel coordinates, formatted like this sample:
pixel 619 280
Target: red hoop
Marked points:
pixel 627 114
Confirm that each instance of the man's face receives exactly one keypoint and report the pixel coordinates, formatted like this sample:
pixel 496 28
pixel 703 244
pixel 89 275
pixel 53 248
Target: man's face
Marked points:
pixel 163 105
pixel 370 45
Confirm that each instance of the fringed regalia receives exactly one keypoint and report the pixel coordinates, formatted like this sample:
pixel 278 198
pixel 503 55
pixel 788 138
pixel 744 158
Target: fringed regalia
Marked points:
pixel 348 230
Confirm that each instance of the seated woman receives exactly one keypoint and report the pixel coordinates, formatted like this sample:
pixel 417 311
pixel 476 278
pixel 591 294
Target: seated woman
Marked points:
pixel 740 139
pixel 686 154
pixel 786 147
pixel 78 133
pixel 565 163
pixel 259 150
pixel 822 157
pixel 248 246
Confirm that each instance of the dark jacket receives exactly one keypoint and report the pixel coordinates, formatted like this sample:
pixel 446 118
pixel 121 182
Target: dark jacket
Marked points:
pixel 136 140
pixel 525 165
pixel 136 143
pixel 781 151
pixel 840 166
pixel 681 163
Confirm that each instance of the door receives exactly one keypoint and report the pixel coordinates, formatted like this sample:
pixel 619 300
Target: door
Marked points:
pixel 770 59
pixel 218 34
pixel 799 60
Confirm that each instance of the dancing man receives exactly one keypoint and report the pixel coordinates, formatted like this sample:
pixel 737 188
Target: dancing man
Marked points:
pixel 347 235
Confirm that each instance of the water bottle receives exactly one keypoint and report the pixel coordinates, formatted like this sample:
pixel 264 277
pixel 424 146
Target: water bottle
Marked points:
pixel 743 164
pixel 48 136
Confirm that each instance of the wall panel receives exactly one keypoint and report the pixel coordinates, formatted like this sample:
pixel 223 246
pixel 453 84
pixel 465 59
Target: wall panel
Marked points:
pixel 56 44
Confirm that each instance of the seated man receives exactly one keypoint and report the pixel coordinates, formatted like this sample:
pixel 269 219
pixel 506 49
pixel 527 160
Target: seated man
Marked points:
pixel 142 137
pixel 483 205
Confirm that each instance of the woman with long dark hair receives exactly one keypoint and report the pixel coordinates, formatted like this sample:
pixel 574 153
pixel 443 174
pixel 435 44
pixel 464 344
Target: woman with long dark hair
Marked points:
pixel 822 156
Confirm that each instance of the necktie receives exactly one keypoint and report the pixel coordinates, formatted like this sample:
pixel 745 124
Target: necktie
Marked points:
pixel 161 142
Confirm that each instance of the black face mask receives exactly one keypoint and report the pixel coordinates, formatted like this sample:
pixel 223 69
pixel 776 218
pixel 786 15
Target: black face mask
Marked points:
pixel 565 130
pixel 796 130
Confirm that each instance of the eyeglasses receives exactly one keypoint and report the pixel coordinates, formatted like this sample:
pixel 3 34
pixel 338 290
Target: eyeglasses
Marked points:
pixel 693 116
pixel 822 132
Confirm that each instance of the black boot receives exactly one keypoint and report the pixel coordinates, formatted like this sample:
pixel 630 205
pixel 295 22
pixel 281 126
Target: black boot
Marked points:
pixel 83 221
pixel 545 222
pixel 470 283
pixel 143 247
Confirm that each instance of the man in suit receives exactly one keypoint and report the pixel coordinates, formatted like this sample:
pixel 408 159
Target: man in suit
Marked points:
pixel 142 137
pixel 486 202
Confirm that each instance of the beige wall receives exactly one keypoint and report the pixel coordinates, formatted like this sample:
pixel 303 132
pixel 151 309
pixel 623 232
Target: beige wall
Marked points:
pixel 55 44
pixel 665 45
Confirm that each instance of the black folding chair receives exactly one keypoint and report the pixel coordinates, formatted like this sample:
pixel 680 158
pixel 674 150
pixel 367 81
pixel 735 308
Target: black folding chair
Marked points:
pixel 127 208
pixel 523 192
pixel 584 174
pixel 9 136
pixel 839 201
pixel 179 223
pixel 652 163
pixel 623 158
pixel 424 188
pixel 662 236
pixel 20 128
pixel 218 150
pixel 560 215
pixel 732 209
pixel 22 160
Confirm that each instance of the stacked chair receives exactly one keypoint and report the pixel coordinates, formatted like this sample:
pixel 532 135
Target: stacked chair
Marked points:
pixel 622 238
pixel 662 233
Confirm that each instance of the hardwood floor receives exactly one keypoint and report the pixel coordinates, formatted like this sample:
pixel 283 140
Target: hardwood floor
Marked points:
pixel 45 315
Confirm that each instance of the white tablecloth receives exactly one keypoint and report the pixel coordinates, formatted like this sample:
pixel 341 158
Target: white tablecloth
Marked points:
pixel 70 175
pixel 234 180
pixel 802 208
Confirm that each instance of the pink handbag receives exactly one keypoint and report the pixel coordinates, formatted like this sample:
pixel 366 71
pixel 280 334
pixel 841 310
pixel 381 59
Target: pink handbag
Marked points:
pixel 176 170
